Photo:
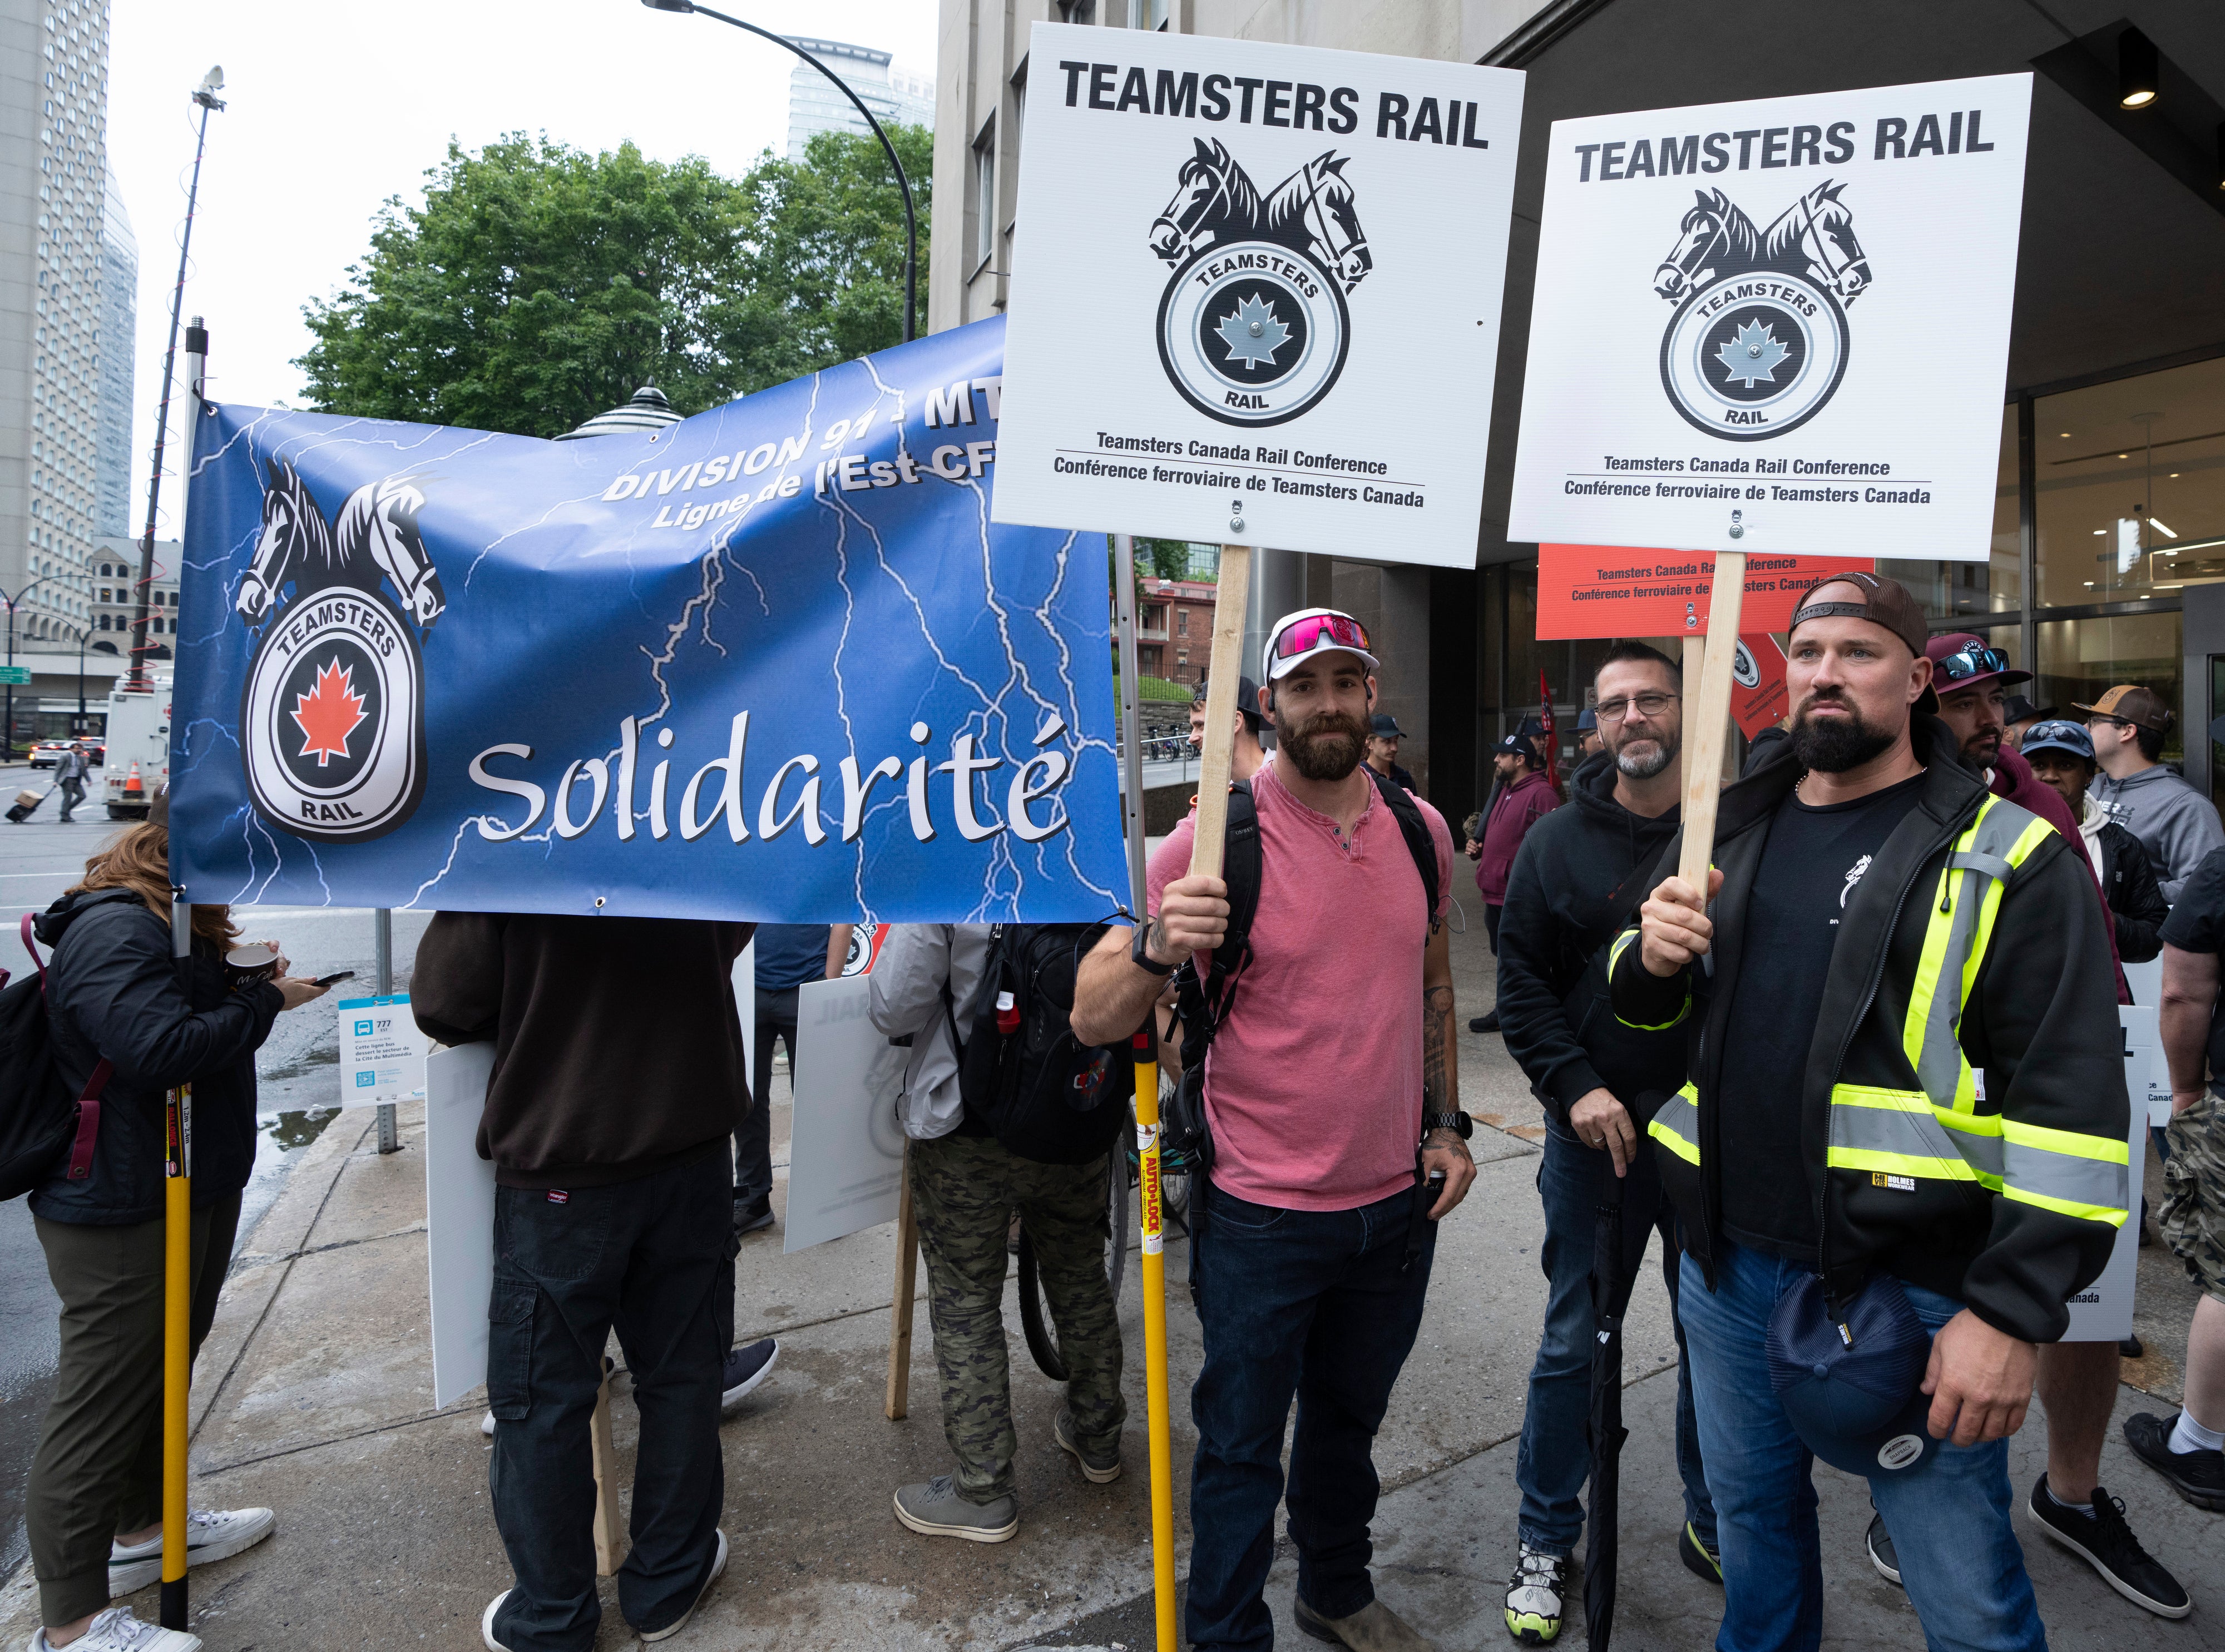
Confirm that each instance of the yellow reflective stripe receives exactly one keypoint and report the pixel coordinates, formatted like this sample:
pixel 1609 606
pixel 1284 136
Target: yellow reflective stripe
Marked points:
pixel 1977 1137
pixel 1893 1130
pixel 1614 957
pixel 1677 1125
pixel 1929 966
pixel 2106 1214
pixel 2074 1142
pixel 1900 1164
pixel 2028 840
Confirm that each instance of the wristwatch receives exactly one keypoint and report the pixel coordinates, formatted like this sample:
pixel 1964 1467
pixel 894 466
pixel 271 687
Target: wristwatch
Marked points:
pixel 1459 1123
pixel 1141 958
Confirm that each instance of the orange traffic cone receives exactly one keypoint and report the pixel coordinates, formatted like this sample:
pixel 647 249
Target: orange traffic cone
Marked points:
pixel 134 789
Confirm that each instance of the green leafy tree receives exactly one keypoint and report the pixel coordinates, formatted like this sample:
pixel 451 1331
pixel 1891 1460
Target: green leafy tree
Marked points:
pixel 538 285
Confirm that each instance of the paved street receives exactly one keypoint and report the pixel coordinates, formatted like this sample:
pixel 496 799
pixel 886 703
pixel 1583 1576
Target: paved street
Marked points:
pixel 314 1397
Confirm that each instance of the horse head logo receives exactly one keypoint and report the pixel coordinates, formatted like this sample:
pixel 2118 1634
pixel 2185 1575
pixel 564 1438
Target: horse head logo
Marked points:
pixel 1814 237
pixel 1716 239
pixel 1213 201
pixel 333 718
pixel 374 536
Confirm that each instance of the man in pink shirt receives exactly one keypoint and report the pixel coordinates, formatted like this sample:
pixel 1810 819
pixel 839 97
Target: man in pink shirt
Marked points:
pixel 1331 1088
pixel 1524 795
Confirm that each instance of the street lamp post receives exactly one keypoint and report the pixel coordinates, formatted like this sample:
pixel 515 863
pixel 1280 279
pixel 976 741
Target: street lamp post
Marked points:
pixel 8 731
pixel 139 681
pixel 911 222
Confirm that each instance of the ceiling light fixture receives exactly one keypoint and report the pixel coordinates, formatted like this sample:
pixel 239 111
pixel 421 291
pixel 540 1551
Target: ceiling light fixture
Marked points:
pixel 2159 528
pixel 2136 70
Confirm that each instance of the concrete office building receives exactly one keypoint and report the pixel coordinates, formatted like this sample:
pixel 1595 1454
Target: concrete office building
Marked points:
pixel 119 316
pixel 2108 555
pixel 55 329
pixel 817 104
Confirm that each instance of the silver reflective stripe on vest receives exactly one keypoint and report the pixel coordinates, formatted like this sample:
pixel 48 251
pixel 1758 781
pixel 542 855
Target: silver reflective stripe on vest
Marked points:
pixel 1893 1122
pixel 1677 1125
pixel 2069 1177
pixel 1981 856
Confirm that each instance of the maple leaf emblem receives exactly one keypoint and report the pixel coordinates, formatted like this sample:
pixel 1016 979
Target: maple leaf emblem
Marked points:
pixel 1252 334
pixel 328 713
pixel 1752 355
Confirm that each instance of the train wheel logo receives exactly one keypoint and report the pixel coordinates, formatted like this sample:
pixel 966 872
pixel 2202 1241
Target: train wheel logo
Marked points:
pixel 1745 669
pixel 332 720
pixel 1253 328
pixel 1758 341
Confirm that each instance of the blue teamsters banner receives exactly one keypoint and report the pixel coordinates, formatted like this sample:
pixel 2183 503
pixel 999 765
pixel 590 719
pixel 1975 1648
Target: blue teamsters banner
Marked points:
pixel 772 663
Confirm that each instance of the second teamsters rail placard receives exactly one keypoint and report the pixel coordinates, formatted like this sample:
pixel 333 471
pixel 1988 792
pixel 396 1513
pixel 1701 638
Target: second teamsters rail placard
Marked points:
pixel 1255 293
pixel 1778 326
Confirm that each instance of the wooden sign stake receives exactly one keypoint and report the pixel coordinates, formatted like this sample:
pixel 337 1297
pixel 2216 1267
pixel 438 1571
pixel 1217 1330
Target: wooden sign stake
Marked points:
pixel 1230 601
pixel 610 1535
pixel 1707 723
pixel 898 1399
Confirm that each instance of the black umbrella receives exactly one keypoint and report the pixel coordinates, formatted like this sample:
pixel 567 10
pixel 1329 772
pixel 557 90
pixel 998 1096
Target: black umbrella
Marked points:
pixel 1610 1284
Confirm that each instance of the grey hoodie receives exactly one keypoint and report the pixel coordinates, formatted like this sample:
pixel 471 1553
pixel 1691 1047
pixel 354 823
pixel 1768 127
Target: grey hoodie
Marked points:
pixel 924 982
pixel 2175 824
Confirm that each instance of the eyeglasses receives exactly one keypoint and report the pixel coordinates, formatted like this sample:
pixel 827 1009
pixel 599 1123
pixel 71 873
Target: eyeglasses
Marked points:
pixel 1615 710
pixel 1304 636
pixel 1973 662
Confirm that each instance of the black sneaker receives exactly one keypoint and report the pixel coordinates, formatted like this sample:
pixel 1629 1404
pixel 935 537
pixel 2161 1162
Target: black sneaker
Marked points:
pixel 1879 1542
pixel 1485 1023
pixel 746 1367
pixel 2130 1348
pixel 1703 1560
pixel 2199 1477
pixel 752 1214
pixel 2105 1543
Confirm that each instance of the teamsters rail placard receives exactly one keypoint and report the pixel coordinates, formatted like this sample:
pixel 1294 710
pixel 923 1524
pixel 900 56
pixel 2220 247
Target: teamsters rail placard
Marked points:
pixel 771 662
pixel 1275 320
pixel 1777 326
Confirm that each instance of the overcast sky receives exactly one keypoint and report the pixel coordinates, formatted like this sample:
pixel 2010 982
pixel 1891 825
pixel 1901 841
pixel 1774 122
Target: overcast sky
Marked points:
pixel 333 108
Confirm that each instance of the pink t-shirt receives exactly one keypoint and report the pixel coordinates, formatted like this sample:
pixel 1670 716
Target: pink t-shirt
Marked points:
pixel 1313 1083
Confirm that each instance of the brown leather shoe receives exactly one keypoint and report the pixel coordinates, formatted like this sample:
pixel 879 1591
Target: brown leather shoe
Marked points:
pixel 1373 1628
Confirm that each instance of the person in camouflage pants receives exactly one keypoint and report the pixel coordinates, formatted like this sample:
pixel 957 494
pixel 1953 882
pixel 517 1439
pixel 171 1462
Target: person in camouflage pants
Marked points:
pixel 965 1187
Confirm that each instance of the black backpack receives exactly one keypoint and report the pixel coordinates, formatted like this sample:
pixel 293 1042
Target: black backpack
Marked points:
pixel 43 1129
pixel 1203 1005
pixel 1041 1092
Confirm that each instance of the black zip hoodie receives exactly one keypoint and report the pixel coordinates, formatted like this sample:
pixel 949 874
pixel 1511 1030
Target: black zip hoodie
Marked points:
pixel 1560 914
pixel 112 990
pixel 2041 1021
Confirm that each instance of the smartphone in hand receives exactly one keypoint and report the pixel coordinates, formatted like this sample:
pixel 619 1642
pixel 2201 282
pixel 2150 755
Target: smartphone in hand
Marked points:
pixel 340 975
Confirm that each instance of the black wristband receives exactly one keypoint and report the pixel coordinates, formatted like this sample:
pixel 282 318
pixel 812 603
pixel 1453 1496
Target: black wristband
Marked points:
pixel 1141 958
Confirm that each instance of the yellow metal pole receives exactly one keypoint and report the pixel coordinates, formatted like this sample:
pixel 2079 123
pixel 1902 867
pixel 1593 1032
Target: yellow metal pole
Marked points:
pixel 177 1352
pixel 1155 1347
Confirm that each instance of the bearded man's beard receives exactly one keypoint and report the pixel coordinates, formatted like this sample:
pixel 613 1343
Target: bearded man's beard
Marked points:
pixel 1326 747
pixel 1832 745
pixel 1651 763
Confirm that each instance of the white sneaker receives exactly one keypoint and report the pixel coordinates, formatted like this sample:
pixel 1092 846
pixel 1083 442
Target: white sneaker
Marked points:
pixel 117 1630
pixel 718 1564
pixel 211 1534
pixel 486 1425
pixel 486 1618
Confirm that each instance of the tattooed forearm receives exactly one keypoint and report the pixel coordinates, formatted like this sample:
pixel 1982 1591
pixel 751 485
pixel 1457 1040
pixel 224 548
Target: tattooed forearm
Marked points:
pixel 1439 1077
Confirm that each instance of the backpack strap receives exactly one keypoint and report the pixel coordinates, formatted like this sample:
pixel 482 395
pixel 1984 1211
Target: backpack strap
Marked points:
pixel 88 1120
pixel 24 929
pixel 1416 831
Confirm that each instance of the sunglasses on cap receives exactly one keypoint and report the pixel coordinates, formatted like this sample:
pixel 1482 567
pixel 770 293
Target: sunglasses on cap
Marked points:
pixel 1976 660
pixel 1318 631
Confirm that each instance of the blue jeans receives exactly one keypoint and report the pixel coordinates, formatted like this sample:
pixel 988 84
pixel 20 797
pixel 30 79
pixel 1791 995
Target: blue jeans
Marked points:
pixel 651 1256
pixel 1949 1519
pixel 1316 1305
pixel 1555 1457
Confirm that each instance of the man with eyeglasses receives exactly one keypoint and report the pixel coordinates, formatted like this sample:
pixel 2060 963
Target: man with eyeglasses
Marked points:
pixel 1331 1090
pixel 2077 1380
pixel 2177 824
pixel 1579 877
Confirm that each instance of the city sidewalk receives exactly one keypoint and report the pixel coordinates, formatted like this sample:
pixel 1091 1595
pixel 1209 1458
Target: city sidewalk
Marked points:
pixel 314 1397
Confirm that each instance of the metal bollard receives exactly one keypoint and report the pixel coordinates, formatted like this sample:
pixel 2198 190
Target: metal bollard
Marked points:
pixel 389 1137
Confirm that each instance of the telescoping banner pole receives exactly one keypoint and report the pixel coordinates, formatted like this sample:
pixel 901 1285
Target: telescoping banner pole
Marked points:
pixel 177 1295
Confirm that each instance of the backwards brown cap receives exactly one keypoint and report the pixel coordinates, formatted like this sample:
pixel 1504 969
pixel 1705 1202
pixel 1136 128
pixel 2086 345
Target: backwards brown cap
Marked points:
pixel 1885 601
pixel 2130 703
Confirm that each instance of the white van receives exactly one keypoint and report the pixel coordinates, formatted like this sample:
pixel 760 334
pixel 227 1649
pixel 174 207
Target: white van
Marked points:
pixel 138 762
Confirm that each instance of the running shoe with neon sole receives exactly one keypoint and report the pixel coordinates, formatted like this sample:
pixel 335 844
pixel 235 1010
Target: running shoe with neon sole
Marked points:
pixel 1533 1597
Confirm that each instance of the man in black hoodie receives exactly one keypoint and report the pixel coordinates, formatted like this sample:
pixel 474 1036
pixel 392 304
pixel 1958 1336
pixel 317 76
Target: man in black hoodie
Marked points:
pixel 1577 879
pixel 617 1079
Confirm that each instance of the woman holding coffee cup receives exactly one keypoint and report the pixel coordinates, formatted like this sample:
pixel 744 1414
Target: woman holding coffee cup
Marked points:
pixel 115 997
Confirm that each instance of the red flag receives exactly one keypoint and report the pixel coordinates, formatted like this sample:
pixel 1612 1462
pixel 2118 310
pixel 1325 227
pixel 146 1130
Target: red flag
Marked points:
pixel 1552 741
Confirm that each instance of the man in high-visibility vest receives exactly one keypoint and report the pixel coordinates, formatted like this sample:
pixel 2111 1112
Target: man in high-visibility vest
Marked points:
pixel 1881 925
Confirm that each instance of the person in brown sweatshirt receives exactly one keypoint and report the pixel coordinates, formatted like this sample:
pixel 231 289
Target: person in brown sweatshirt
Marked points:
pixel 618 1082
